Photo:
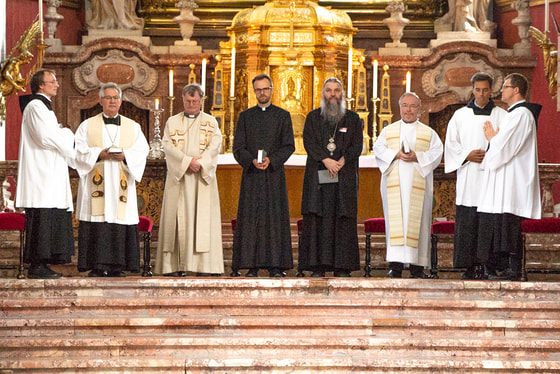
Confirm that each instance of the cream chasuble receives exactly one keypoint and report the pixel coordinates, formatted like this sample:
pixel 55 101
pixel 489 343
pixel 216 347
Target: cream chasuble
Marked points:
pixel 417 189
pixel 190 236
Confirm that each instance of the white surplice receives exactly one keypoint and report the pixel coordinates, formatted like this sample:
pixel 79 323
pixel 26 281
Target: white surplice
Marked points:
pixel 427 162
pixel 46 149
pixel 133 168
pixel 465 134
pixel 190 232
pixel 510 179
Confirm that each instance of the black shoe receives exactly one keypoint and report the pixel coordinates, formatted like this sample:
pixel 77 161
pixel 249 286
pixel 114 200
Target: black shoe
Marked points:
pixel 417 271
pixel 318 274
pixel 42 271
pixel 178 273
pixel 494 275
pixel 252 273
pixel 116 273
pixel 208 274
pixel 276 273
pixel 235 273
pixel 98 274
pixel 469 274
pixel 342 274
pixel 394 274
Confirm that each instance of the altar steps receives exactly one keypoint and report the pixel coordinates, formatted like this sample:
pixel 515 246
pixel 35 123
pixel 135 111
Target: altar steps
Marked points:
pixel 303 325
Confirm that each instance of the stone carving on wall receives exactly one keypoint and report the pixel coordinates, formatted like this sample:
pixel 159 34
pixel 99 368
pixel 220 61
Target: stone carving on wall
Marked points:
pixel 115 66
pixel 454 75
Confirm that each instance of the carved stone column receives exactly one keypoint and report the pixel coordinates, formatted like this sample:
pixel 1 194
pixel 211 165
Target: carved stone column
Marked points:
pixel 522 21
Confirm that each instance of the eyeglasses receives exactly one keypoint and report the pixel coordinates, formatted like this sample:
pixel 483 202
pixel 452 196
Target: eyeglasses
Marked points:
pixel 259 90
pixel 111 97
pixel 53 82
pixel 191 102
pixel 413 106
pixel 508 86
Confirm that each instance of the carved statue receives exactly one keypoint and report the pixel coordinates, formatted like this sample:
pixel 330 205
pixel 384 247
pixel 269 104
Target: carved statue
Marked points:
pixel 468 15
pixel 550 55
pixel 114 14
pixel 10 71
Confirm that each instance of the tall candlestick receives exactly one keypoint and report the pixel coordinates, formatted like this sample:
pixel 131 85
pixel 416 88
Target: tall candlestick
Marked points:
pixel 349 92
pixel 41 16
pixel 170 83
pixel 408 77
pixel 156 105
pixel 232 77
pixel 546 14
pixel 203 79
pixel 375 68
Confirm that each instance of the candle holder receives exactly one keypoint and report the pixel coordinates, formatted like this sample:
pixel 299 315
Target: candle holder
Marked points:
pixel 203 100
pixel 349 101
pixel 231 114
pixel 156 147
pixel 170 98
pixel 374 100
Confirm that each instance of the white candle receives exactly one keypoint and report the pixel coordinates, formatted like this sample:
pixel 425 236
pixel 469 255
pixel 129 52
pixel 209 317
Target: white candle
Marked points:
pixel 170 83
pixel 41 16
pixel 375 68
pixel 232 77
pixel 203 79
pixel 408 77
pixel 546 14
pixel 157 104
pixel 349 93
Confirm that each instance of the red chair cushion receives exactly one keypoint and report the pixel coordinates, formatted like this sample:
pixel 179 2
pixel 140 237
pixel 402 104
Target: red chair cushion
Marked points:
pixel 299 225
pixel 233 224
pixel 374 225
pixel 543 225
pixel 12 221
pixel 444 227
pixel 145 224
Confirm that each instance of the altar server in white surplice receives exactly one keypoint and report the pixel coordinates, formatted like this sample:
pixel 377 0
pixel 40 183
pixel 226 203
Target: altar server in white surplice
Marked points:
pixel 407 152
pixel 190 231
pixel 510 190
pixel 111 154
pixel 465 147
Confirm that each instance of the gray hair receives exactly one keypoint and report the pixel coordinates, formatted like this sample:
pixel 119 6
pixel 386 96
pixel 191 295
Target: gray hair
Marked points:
pixel 335 80
pixel 109 85
pixel 410 94
pixel 191 89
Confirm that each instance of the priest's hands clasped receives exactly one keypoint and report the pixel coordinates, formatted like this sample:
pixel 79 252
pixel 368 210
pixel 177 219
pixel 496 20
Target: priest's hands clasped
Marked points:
pixel 333 166
pixel 406 157
pixel 262 165
pixel 194 166
pixel 476 155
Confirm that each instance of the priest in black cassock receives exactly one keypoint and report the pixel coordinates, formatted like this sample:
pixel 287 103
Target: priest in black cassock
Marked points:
pixel 332 137
pixel 264 140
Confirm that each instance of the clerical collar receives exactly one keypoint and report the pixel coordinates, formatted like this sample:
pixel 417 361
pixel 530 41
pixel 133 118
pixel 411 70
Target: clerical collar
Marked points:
pixel 26 99
pixel 191 115
pixel 478 111
pixel 264 108
pixel 534 108
pixel 112 121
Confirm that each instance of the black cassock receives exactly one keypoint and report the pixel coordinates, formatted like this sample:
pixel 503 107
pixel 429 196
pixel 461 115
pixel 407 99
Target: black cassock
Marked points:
pixel 262 238
pixel 330 235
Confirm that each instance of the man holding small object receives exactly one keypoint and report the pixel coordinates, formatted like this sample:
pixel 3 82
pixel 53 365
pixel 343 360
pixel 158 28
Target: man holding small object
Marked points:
pixel 407 152
pixel 111 155
pixel 332 137
pixel 264 140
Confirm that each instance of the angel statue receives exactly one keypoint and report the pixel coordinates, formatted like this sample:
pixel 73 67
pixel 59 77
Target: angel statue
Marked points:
pixel 550 55
pixel 10 72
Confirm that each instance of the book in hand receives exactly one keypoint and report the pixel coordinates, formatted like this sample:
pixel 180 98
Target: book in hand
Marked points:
pixel 114 150
pixel 261 155
pixel 405 146
pixel 324 177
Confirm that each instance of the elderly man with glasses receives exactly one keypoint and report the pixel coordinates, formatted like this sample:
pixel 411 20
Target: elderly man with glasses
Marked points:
pixel 111 154
pixel 264 140
pixel 190 231
pixel 407 152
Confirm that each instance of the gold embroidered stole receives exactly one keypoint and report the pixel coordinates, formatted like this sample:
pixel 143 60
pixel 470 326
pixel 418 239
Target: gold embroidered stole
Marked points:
pixel 394 204
pixel 96 127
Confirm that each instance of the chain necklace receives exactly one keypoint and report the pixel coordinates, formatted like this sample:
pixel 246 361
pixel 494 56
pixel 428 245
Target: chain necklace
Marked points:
pixel 332 146
pixel 114 138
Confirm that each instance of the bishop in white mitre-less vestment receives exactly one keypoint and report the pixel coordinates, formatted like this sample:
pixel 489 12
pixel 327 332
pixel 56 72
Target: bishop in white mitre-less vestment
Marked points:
pixel 413 249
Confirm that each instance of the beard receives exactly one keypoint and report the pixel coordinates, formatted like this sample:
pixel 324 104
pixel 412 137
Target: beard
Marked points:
pixel 333 112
